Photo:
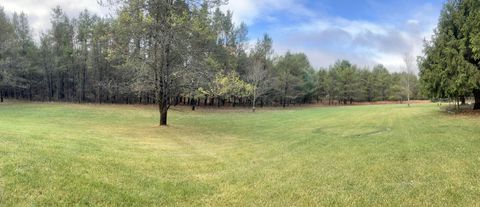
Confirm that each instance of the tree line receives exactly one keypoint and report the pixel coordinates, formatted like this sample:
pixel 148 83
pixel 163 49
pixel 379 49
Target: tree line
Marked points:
pixel 174 52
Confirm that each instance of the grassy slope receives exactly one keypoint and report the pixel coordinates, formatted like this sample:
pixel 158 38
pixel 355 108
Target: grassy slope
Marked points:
pixel 115 155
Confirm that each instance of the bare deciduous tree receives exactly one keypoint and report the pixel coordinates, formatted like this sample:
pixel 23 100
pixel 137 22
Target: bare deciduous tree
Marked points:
pixel 258 78
pixel 409 66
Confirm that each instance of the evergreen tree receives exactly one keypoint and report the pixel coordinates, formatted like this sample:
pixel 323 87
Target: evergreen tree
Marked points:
pixel 450 67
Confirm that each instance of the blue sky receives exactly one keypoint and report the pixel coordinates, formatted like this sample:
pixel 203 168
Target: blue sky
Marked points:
pixel 366 32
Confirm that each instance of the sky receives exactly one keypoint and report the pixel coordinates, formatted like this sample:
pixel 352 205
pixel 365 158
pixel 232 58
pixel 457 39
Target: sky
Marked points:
pixel 365 32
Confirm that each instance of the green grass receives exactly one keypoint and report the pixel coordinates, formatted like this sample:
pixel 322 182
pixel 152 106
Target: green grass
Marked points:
pixel 66 155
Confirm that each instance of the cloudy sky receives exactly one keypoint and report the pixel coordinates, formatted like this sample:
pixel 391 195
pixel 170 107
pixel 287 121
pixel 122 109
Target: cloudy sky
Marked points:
pixel 366 32
pixel 39 11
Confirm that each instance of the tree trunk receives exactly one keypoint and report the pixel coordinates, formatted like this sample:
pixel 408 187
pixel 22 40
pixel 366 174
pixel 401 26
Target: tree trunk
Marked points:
pixel 163 109
pixel 193 104
pixel 476 93
pixel 1 96
pixel 84 82
pixel 463 100
pixel 253 103
pixel 163 117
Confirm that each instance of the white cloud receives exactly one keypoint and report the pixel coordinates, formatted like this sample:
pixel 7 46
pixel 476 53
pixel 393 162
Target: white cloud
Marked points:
pixel 413 22
pixel 39 11
pixel 244 11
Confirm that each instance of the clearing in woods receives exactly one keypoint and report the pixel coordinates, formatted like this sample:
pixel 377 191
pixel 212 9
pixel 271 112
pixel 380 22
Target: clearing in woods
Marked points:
pixel 67 154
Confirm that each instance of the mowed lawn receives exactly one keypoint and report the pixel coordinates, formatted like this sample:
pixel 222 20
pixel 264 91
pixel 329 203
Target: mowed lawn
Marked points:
pixel 109 155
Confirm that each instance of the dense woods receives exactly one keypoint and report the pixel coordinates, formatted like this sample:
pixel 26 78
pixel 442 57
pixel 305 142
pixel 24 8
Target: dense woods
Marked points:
pixel 174 53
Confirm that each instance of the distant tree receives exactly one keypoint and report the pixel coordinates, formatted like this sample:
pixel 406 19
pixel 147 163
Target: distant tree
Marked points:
pixel 367 82
pixel 6 37
pixel 22 59
pixel 290 68
pixel 62 38
pixel 346 81
pixel 259 74
pixel 409 66
pixel 382 81
pixel 101 61
pixel 322 84
pixel 84 35
pixel 309 87
pixel 228 85
pixel 398 86
pixel 332 87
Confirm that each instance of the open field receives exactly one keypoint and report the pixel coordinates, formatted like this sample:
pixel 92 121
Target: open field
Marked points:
pixel 67 154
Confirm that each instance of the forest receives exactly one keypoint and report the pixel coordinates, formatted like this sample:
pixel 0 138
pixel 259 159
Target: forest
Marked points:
pixel 176 52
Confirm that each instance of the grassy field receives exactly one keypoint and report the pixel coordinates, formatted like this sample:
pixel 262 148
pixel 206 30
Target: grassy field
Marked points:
pixel 67 154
